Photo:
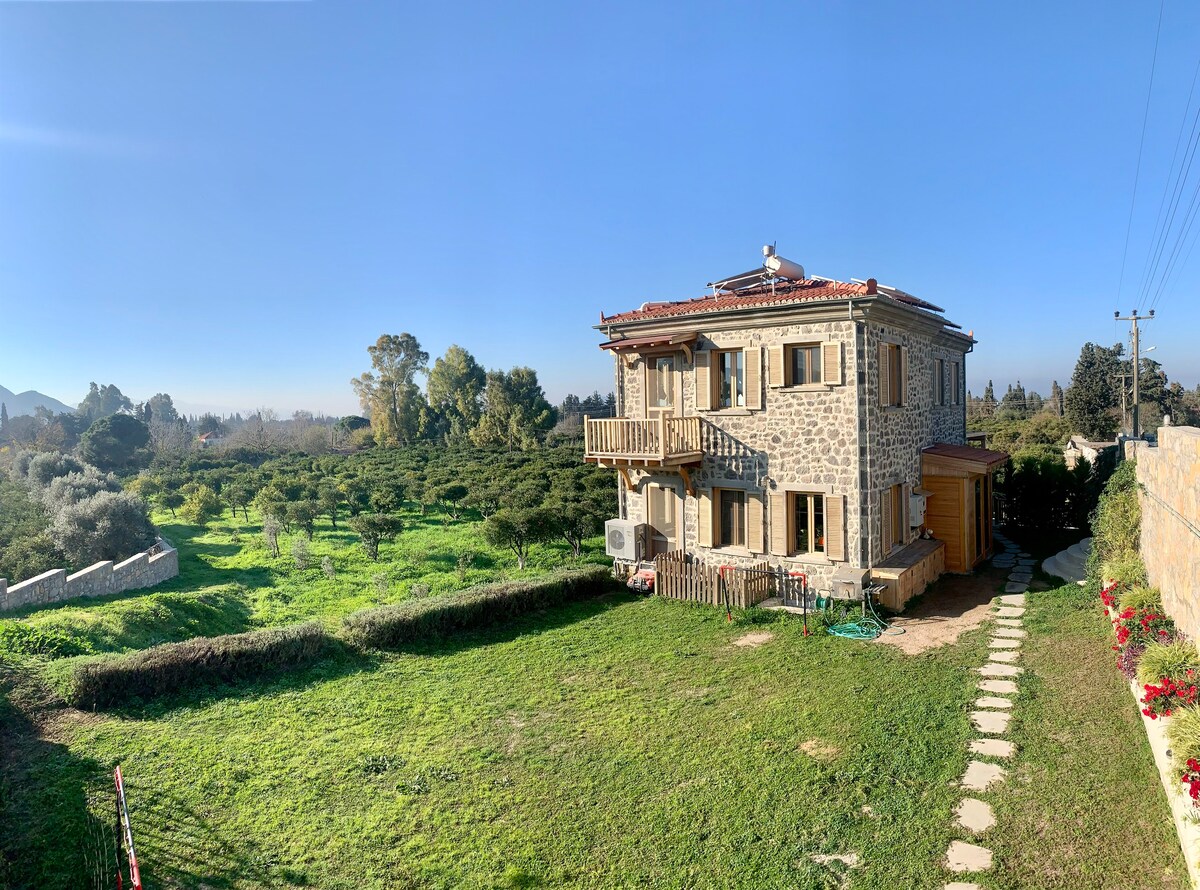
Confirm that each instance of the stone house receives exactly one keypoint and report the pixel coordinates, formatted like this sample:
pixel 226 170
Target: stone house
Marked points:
pixel 810 425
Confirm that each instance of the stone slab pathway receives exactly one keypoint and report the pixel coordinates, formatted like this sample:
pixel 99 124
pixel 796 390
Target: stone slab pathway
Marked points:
pixel 990 717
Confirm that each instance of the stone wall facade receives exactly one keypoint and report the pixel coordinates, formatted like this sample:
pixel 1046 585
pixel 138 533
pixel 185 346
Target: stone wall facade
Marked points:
pixel 834 440
pixel 1169 493
pixel 159 563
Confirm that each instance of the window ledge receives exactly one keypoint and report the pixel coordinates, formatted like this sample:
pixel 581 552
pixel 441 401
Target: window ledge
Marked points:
pixel 807 387
pixel 729 412
pixel 810 559
pixel 734 551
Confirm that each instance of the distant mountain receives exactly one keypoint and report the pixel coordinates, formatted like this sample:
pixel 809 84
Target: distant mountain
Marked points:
pixel 28 402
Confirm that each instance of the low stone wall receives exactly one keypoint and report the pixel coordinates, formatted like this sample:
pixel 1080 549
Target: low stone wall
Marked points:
pixel 158 564
pixel 1169 478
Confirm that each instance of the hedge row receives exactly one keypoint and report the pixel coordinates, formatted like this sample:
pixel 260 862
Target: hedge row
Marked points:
pixel 386 627
pixel 201 661
pixel 207 661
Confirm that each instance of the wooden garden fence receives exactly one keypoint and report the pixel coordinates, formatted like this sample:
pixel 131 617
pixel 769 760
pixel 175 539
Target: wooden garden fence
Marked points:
pixel 679 578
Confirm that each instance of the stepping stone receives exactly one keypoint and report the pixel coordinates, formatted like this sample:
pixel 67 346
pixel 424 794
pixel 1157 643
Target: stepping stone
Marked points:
pixel 991 722
pixel 1006 655
pixel 992 747
pixel 1023 555
pixel 1015 587
pixel 1014 633
pixel 1009 622
pixel 1000 687
pixel 1009 612
pixel 974 815
pixel 1012 599
pixel 1029 563
pixel 1020 577
pixel 991 701
pixel 967 857
pixel 1000 670
pixel 1004 643
pixel 980 775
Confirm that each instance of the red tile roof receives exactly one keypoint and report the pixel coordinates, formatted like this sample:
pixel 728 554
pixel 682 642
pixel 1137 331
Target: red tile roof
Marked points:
pixel 784 293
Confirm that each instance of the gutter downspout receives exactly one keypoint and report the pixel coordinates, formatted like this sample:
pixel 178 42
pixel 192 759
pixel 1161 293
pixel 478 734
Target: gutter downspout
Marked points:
pixel 864 476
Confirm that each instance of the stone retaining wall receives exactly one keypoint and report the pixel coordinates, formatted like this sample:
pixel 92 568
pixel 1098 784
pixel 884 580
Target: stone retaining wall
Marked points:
pixel 1169 476
pixel 158 564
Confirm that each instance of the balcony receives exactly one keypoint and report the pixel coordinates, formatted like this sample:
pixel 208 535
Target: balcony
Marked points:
pixel 634 443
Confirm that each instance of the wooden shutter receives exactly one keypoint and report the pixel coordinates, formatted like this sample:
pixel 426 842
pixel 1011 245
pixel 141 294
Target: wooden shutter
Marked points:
pixel 907 490
pixel 885 386
pixel 903 374
pixel 831 363
pixel 754 357
pixel 754 522
pixel 835 527
pixel 779 523
pixel 703 386
pixel 885 515
pixel 775 370
pixel 704 519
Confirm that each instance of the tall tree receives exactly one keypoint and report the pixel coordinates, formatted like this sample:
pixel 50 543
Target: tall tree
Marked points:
pixel 103 401
pixel 1091 400
pixel 115 442
pixel 162 409
pixel 388 394
pixel 3 421
pixel 455 388
pixel 515 410
pixel 988 408
pixel 1056 398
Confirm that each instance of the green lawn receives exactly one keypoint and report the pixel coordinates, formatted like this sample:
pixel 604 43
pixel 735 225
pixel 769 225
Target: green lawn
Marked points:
pixel 615 743
pixel 229 583
pixel 1084 806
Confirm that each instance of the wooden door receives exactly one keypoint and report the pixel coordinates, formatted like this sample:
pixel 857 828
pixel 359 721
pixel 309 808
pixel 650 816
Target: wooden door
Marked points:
pixel 662 509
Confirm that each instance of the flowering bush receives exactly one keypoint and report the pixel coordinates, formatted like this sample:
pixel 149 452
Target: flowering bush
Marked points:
pixel 1142 626
pixel 1191 778
pixel 1108 596
pixel 1160 699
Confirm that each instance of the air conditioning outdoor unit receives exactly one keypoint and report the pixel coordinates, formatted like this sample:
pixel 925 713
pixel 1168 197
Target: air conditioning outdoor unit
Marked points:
pixel 623 539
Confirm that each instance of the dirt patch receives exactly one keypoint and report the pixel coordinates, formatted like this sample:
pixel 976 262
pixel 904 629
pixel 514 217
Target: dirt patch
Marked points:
pixel 754 639
pixel 953 606
pixel 819 750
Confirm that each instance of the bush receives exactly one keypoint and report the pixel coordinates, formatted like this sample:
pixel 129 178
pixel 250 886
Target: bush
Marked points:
pixel 1172 660
pixel 1183 735
pixel 1141 599
pixel 1126 571
pixel 21 639
pixel 108 525
pixel 202 661
pixel 1117 521
pixel 414 620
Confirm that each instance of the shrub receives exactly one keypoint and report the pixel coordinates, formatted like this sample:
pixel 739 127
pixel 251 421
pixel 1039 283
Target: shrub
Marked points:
pixel 300 553
pixel 108 525
pixel 1140 598
pixel 1162 699
pixel 327 568
pixel 1172 660
pixel 1127 571
pixel 1117 520
pixel 1142 626
pixel 201 506
pixel 1183 736
pixel 21 639
pixel 202 661
pixel 420 619
pixel 1129 658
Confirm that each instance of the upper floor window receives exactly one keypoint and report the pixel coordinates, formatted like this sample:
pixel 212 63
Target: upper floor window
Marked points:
pixel 729 367
pixel 662 382
pixel 893 369
pixel 803 364
pixel 939 381
pixel 954 381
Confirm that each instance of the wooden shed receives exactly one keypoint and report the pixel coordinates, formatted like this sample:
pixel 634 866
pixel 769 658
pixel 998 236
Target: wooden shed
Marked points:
pixel 958 506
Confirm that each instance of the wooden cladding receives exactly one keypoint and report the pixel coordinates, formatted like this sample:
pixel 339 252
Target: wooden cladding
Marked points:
pixel 704 395
pixel 659 438
pixel 893 375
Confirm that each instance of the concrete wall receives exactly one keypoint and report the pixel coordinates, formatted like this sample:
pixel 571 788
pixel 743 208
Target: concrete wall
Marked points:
pixel 1170 499
pixel 159 563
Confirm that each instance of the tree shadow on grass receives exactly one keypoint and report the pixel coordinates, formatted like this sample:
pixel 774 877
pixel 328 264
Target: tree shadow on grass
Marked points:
pixel 54 828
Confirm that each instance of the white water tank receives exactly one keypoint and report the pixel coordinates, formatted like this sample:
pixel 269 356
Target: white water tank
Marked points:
pixel 781 268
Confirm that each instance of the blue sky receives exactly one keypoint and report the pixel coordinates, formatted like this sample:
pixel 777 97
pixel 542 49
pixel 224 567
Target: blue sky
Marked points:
pixel 230 201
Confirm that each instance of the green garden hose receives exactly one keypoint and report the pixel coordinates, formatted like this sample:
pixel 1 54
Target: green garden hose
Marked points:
pixel 869 627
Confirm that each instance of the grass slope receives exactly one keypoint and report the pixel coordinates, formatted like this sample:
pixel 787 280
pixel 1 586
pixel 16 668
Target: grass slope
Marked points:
pixel 1084 806
pixel 614 743
pixel 229 583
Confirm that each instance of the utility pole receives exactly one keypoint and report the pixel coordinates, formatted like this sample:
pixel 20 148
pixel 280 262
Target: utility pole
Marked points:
pixel 1134 318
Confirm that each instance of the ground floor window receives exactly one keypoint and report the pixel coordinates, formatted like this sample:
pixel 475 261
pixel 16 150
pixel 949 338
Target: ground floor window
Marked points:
pixel 731 518
pixel 808 522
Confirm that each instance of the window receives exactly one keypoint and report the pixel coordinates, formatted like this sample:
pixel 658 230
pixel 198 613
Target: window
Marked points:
pixel 893 367
pixel 808 523
pixel 939 371
pixel 730 374
pixel 803 364
pixel 731 518
pixel 954 381
pixel 662 382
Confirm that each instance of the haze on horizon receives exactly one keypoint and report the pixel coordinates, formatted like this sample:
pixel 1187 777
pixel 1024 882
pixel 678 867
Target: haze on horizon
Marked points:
pixel 230 202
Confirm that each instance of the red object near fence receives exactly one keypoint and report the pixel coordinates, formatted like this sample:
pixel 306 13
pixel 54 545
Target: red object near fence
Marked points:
pixel 125 838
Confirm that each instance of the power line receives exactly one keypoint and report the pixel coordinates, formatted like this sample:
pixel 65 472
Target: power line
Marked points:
pixel 1141 144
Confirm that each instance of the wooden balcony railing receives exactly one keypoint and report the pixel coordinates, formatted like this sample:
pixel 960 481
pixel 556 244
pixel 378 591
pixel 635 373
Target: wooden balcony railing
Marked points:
pixel 661 439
